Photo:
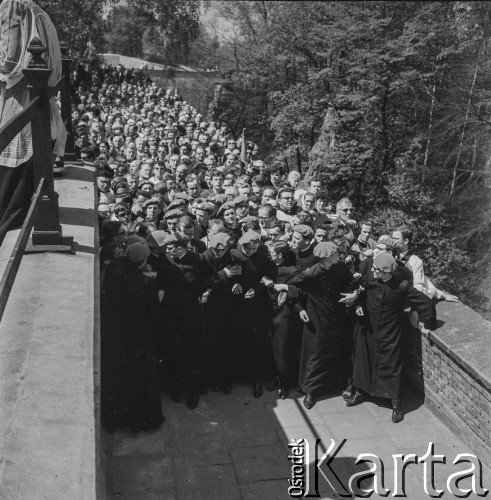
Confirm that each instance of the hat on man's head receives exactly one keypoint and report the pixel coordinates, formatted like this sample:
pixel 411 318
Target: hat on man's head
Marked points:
pixel 226 206
pixel 306 231
pixel 218 199
pixel 249 237
pixel 389 242
pixel 325 249
pixel 385 262
pixel 145 181
pixel 121 191
pixel 174 213
pixel 259 180
pixel 240 200
pixel 151 201
pixel 176 204
pixel 134 238
pixel 156 239
pixel 176 238
pixel 137 252
pixel 104 172
pixel 205 206
pixel 217 239
pixel 182 196
pixel 249 218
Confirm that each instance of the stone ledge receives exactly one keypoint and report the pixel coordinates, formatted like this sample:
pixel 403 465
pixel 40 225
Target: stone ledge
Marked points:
pixel 449 370
pixel 49 425
pixel 466 337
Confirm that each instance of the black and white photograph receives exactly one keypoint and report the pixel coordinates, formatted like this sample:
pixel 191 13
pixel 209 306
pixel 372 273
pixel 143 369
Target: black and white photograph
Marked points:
pixel 245 249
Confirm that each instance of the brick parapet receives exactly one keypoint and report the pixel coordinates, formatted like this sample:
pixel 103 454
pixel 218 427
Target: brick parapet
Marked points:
pixel 449 370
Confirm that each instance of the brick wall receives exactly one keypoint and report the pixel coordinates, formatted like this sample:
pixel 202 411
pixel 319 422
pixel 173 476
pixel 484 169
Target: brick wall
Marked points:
pixel 450 384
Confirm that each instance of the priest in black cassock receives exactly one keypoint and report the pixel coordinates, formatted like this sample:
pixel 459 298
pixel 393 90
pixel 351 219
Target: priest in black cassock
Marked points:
pixel 185 284
pixel 130 315
pixel 377 366
pixel 323 284
pixel 220 321
pixel 252 309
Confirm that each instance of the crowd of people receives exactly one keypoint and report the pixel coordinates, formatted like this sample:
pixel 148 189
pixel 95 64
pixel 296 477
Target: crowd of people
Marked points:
pixel 219 267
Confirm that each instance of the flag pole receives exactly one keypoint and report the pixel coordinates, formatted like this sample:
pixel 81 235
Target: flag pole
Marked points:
pixel 243 148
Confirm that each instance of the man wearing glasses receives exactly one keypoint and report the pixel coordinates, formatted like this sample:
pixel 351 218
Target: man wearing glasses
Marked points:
pixel 266 215
pixel 344 211
pixel 286 205
pixel 378 361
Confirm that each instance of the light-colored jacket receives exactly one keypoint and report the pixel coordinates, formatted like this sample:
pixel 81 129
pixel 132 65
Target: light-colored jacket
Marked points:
pixel 422 282
pixel 20 22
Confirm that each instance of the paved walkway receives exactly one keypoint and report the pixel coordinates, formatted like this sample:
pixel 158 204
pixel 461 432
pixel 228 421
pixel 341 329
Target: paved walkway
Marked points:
pixel 235 447
pixel 47 416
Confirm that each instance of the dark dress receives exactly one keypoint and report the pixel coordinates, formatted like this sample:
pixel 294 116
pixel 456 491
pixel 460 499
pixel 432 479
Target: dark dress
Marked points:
pixel 319 371
pixel 130 313
pixel 377 365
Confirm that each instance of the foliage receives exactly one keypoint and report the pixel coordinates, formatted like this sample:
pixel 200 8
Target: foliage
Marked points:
pixel 160 30
pixel 126 32
pixel 407 84
pixel 80 24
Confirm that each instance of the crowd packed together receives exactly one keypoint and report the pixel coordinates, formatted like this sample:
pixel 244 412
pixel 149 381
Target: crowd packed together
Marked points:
pixel 219 267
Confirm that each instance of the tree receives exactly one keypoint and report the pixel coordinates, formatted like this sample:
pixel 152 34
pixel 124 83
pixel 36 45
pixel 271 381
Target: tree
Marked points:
pixel 127 31
pixel 406 88
pixel 163 29
pixel 79 23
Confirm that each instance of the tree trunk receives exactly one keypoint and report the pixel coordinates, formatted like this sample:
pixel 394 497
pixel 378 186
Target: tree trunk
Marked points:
pixel 469 102
pixel 430 126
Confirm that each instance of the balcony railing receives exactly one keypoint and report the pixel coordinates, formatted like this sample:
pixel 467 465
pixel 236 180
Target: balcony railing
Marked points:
pixel 43 214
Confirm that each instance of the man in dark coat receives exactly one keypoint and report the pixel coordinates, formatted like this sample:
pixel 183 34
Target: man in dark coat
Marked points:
pixel 252 308
pixel 378 360
pixel 323 284
pixel 185 284
pixel 303 244
pixel 360 281
pixel 130 313
pixel 220 313
pixel 287 318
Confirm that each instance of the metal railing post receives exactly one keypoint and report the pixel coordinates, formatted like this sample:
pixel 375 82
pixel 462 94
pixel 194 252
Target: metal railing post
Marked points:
pixel 66 103
pixel 47 229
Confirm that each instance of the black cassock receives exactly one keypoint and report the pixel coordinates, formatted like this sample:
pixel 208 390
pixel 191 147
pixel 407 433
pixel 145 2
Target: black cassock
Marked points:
pixel 287 327
pixel 377 365
pixel 130 313
pixel 253 317
pixel 183 281
pixel 220 323
pixel 319 371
